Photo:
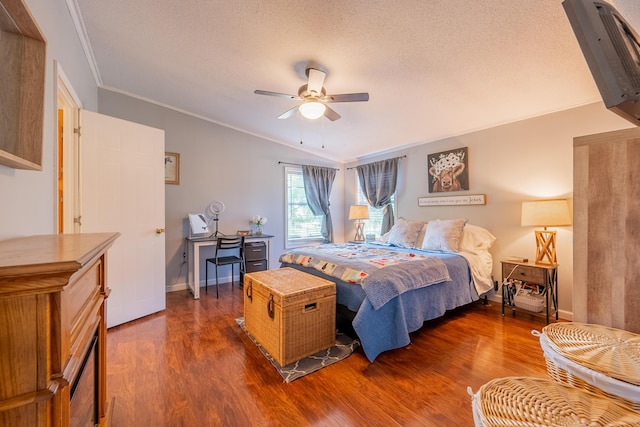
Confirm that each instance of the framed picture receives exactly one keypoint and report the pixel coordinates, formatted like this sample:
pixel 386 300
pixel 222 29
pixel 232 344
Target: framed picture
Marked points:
pixel 171 168
pixel 448 171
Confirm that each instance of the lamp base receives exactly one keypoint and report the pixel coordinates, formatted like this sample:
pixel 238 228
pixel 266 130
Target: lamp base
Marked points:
pixel 359 232
pixel 546 247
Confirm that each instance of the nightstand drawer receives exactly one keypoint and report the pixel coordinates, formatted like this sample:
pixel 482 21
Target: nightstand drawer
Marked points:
pixel 524 273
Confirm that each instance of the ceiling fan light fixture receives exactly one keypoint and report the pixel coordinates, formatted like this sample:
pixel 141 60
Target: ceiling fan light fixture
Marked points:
pixel 312 109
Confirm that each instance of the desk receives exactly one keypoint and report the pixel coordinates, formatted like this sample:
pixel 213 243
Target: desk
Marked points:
pixel 193 257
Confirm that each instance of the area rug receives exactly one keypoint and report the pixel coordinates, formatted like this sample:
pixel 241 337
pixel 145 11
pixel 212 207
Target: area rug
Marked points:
pixel 345 345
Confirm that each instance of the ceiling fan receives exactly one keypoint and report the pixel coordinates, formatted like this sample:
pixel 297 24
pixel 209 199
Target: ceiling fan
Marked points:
pixel 315 98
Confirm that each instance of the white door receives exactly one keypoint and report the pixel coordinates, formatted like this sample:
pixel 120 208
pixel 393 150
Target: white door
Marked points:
pixel 122 189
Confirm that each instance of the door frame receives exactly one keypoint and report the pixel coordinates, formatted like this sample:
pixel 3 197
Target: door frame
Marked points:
pixel 67 101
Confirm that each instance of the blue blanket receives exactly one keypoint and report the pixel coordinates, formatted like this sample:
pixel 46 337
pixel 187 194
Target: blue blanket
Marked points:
pixel 389 326
pixel 383 285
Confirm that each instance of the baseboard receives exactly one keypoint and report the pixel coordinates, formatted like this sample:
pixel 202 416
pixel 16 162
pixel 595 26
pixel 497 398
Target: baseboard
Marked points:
pixel 183 286
pixel 565 315
pixel 176 287
pixel 495 298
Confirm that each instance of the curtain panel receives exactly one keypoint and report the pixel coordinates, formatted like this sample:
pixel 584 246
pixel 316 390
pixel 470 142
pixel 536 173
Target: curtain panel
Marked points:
pixel 318 182
pixel 378 183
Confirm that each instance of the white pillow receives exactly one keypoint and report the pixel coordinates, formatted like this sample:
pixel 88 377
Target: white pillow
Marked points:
pixel 444 235
pixel 384 238
pixel 405 233
pixel 420 239
pixel 476 239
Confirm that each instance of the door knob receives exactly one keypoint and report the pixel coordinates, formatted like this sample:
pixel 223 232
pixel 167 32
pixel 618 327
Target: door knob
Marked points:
pixel 159 230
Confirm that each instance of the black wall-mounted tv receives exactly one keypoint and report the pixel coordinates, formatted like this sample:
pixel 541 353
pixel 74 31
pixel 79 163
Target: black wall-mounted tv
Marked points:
pixel 612 50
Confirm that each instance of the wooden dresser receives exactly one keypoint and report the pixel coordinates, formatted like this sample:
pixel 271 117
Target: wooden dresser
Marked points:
pixel 52 314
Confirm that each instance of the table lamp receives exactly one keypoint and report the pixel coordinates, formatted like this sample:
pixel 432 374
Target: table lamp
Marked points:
pixel 358 213
pixel 545 213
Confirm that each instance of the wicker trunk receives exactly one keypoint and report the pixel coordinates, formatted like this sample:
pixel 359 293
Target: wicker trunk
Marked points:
pixel 290 313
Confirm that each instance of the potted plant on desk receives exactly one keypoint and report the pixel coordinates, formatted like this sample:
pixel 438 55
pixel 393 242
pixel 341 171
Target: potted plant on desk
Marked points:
pixel 259 221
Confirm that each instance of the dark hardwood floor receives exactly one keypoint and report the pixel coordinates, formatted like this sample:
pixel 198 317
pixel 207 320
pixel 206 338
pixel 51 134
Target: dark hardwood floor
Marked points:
pixel 192 365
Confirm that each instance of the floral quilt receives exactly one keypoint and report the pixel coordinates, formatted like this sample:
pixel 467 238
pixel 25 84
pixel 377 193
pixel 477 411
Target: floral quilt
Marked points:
pixel 383 272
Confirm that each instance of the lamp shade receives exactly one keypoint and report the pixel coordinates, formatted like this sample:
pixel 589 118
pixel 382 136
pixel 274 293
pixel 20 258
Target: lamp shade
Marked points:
pixel 359 212
pixel 545 213
pixel 312 109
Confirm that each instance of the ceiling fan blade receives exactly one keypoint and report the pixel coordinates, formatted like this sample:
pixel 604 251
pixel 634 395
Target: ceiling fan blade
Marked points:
pixel 331 114
pixel 288 113
pixel 347 97
pixel 281 95
pixel 316 80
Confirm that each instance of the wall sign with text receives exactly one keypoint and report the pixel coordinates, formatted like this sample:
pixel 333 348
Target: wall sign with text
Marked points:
pixel 468 199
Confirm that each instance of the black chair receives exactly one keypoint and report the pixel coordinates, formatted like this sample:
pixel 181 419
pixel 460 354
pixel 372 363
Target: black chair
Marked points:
pixel 229 251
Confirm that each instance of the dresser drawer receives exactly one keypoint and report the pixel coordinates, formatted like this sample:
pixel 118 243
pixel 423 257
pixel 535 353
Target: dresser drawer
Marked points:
pixel 253 266
pixel 525 273
pixel 255 251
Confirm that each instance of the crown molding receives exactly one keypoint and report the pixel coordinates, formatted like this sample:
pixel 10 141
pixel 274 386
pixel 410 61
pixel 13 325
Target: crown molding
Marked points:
pixel 78 23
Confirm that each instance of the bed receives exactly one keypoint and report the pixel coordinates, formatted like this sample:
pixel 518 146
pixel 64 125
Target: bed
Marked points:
pixel 415 273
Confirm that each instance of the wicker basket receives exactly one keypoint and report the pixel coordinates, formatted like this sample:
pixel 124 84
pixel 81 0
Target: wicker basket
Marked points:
pixel 535 303
pixel 533 402
pixel 290 313
pixel 603 360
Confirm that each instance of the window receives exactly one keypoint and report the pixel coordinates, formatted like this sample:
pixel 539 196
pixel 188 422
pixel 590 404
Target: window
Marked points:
pixel 373 225
pixel 303 227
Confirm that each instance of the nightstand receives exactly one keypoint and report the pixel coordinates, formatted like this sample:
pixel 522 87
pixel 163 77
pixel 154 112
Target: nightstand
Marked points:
pixel 532 273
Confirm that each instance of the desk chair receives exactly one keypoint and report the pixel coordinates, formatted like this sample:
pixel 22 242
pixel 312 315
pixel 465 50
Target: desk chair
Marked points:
pixel 226 244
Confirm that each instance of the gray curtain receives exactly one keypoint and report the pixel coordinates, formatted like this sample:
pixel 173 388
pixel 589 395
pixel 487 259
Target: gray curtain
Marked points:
pixel 378 183
pixel 317 187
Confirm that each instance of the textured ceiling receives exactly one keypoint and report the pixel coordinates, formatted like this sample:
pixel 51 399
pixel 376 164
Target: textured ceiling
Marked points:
pixel 433 69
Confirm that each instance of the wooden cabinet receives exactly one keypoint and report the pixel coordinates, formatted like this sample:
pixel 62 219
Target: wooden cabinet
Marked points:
pixel 52 317
pixel 536 274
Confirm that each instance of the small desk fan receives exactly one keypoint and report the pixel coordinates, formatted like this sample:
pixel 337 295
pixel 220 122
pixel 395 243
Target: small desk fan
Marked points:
pixel 213 211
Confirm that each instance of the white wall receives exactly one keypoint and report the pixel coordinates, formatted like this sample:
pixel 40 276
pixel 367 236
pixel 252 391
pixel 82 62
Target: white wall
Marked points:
pixel 28 197
pixel 219 163
pixel 527 160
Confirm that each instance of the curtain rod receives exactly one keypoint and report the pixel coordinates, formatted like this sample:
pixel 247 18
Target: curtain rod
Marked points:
pixel 401 157
pixel 298 164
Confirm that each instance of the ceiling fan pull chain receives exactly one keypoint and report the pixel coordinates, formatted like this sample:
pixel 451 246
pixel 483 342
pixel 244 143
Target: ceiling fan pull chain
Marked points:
pixel 300 128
